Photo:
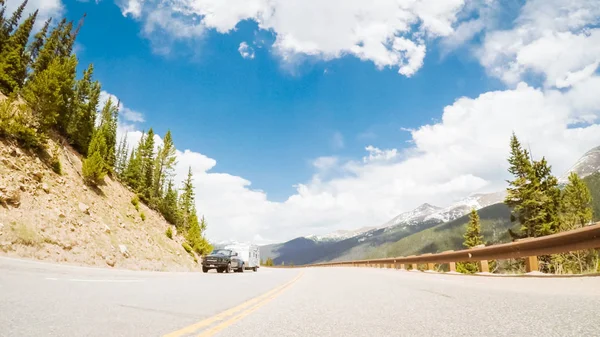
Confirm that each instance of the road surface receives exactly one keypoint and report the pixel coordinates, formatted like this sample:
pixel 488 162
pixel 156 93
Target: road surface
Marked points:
pixel 39 299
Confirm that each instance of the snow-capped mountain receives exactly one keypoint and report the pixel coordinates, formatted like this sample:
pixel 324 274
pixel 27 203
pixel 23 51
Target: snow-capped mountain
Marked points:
pixel 425 212
pixel 413 217
pixel 464 206
pixel 589 163
pixel 339 235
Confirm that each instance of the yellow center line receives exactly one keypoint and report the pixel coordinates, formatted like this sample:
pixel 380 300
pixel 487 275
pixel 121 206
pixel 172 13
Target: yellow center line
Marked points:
pixel 219 317
pixel 244 313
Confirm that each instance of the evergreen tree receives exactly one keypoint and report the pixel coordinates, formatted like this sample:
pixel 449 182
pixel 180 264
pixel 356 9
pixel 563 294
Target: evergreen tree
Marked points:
pixel 169 207
pixel 133 172
pixel 576 206
pixel 533 195
pixel 473 238
pixel 80 126
pixel 49 50
pixel 13 22
pixel 8 26
pixel 186 201
pixel 13 63
pixel 147 151
pixel 122 154
pixel 94 167
pixel 38 41
pixel 165 163
pixel 108 122
pixel 66 41
pixel 575 212
pixel 48 92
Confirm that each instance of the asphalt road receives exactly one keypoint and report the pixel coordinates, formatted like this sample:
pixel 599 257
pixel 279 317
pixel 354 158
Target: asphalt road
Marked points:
pixel 38 299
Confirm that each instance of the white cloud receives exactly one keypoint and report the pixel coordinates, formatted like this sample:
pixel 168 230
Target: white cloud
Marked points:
pixel 555 39
pixel 389 33
pixel 246 51
pixel 46 9
pixel 376 154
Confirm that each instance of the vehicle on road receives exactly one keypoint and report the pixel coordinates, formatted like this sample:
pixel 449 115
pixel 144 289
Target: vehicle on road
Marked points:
pixel 223 260
pixel 249 253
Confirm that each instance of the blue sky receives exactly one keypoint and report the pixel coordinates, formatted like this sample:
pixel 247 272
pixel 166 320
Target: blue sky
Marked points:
pixel 259 119
pixel 278 141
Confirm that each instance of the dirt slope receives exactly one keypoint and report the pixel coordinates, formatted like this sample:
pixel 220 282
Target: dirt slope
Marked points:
pixel 47 216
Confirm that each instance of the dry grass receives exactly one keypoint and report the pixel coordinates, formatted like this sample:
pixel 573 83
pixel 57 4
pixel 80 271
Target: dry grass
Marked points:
pixel 25 235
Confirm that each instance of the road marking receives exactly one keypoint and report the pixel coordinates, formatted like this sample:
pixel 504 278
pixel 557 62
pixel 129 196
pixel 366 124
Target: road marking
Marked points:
pixel 92 280
pixel 244 313
pixel 230 312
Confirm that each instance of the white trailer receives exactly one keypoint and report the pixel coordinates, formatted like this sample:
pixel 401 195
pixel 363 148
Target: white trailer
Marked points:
pixel 249 253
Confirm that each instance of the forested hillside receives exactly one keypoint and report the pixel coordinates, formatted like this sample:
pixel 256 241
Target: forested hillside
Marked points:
pixel 48 113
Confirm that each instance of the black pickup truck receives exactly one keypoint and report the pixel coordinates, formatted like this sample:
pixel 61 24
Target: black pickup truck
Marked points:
pixel 223 260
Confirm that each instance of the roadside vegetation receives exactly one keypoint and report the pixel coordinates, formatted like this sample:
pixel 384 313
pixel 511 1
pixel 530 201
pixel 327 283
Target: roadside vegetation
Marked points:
pixel 45 99
pixel 542 208
pixel 535 205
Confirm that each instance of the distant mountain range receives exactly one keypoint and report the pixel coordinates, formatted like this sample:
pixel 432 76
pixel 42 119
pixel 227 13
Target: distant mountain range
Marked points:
pixel 425 229
pixel 588 164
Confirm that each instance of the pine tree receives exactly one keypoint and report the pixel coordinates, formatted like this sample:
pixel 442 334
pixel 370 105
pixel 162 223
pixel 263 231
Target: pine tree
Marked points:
pixel 473 238
pixel 8 26
pixel 94 167
pixel 122 155
pixel 49 91
pixel 576 205
pixel 169 207
pixel 38 41
pixel 3 35
pixel 13 63
pixel 147 151
pixel 13 22
pixel 546 220
pixel 186 201
pixel 108 122
pixel 133 172
pixel 533 195
pixel 165 163
pixel 64 45
pixel 49 50
pixel 575 212
pixel 80 126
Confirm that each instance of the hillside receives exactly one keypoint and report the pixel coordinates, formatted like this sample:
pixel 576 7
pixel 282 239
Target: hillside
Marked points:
pixel 593 183
pixel 55 217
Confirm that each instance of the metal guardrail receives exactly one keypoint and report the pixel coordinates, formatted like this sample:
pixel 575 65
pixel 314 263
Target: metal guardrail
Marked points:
pixel 579 239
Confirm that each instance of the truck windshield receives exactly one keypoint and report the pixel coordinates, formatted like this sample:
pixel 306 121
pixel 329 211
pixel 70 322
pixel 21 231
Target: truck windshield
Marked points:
pixel 222 252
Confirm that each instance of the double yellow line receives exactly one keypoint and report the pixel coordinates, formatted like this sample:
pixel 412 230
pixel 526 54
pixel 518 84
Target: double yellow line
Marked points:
pixel 239 311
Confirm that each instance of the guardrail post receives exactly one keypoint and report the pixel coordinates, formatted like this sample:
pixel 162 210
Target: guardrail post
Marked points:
pixel 452 266
pixel 430 266
pixel 402 267
pixel 484 267
pixel 415 266
pixel 531 264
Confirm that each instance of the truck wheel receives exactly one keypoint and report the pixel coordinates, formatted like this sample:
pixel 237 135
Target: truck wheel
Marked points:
pixel 241 270
pixel 255 269
pixel 204 270
pixel 228 268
